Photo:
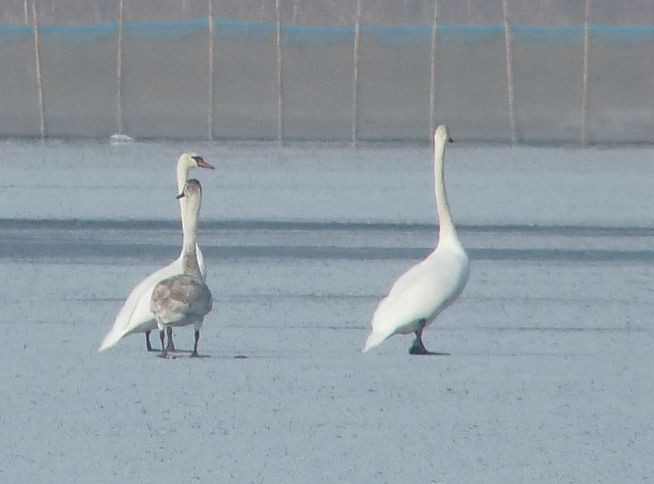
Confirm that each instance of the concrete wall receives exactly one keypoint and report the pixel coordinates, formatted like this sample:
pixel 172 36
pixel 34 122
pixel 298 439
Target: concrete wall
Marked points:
pixel 557 71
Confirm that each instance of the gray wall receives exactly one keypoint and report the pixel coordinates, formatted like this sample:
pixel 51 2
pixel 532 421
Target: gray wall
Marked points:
pixel 580 71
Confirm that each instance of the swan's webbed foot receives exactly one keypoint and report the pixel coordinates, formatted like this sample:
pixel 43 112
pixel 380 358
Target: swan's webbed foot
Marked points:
pixel 148 346
pixel 418 348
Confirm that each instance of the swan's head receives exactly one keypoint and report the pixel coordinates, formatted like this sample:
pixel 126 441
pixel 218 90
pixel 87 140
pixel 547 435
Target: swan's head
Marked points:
pixel 185 163
pixel 192 160
pixel 441 136
pixel 192 190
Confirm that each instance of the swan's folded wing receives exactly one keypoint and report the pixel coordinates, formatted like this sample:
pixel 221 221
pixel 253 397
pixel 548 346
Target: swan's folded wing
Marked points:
pixel 181 294
pixel 410 277
pixel 419 294
pixel 203 300
pixel 127 319
pixel 414 302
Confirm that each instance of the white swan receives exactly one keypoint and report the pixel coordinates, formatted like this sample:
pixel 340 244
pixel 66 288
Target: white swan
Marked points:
pixel 422 292
pixel 135 315
pixel 184 299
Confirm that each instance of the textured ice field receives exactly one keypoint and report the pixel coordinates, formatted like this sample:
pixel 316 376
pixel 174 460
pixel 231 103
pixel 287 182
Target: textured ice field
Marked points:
pixel 552 343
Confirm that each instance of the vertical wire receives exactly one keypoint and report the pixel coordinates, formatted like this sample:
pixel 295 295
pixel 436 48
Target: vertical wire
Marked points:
pixel 280 76
pixel 39 77
pixel 355 63
pixel 585 79
pixel 295 9
pixel 432 75
pixel 119 66
pixel 212 72
pixel 509 71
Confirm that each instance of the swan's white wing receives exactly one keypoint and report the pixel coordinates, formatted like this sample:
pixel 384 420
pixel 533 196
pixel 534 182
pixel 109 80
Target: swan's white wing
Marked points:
pixel 409 278
pixel 413 297
pixel 135 315
pixel 419 294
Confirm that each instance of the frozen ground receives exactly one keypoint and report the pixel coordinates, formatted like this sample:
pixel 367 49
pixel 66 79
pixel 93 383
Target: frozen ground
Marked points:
pixel 552 344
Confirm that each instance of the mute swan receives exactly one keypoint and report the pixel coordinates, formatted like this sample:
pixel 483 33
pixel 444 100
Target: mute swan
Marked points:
pixel 184 299
pixel 135 315
pixel 430 286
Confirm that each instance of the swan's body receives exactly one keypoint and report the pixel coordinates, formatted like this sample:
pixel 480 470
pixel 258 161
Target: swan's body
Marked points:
pixel 184 298
pixel 430 286
pixel 135 315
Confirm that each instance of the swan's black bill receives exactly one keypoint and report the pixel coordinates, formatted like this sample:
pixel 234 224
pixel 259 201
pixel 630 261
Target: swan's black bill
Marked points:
pixel 450 140
pixel 181 195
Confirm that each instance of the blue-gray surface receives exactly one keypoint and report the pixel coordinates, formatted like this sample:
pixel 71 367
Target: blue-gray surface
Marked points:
pixel 549 378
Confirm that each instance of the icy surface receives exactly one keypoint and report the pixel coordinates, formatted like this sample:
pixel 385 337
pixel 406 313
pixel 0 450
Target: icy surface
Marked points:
pixel 542 186
pixel 552 345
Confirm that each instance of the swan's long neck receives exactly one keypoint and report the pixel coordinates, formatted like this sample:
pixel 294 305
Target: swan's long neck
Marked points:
pixel 190 212
pixel 445 222
pixel 182 175
pixel 182 172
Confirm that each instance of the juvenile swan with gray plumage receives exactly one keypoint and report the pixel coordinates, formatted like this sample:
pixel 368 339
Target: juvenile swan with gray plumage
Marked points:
pixel 184 299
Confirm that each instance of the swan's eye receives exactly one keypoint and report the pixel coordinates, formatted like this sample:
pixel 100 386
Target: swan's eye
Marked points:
pixel 197 159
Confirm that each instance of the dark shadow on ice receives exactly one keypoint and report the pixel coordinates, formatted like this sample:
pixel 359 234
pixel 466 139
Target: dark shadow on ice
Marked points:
pixel 315 226
pixel 188 354
pixel 179 354
pixel 548 329
pixel 80 250
pixel 100 241
pixel 431 353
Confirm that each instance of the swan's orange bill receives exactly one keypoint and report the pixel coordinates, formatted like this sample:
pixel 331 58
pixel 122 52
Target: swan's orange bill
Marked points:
pixel 204 164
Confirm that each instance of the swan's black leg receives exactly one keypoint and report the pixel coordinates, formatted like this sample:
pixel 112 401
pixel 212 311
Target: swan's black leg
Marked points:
pixel 162 337
pixel 148 346
pixel 195 345
pixel 171 345
pixel 418 348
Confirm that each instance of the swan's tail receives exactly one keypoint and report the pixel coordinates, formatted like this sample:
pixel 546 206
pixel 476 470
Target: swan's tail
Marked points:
pixel 375 339
pixel 111 339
